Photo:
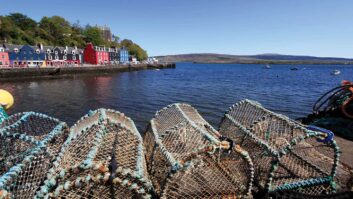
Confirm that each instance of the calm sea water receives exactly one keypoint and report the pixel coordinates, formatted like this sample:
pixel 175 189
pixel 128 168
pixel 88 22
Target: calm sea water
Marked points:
pixel 211 88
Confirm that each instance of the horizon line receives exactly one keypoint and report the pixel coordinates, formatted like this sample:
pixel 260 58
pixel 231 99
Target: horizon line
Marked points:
pixel 245 55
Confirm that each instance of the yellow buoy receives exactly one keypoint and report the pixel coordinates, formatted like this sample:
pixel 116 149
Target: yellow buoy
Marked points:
pixel 6 99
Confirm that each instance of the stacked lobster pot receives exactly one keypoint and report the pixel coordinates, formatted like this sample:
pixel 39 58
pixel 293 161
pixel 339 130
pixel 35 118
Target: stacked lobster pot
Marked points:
pixel 187 158
pixel 29 143
pixel 102 158
pixel 286 155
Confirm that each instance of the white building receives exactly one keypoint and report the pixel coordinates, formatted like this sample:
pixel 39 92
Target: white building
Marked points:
pixel 152 60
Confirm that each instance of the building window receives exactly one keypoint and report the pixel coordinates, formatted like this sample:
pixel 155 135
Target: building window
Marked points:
pixel 73 52
pixel 73 57
pixel 56 52
pixel 3 56
pixel 37 51
pixel 56 57
pixel 49 57
pixel 64 57
pixel 65 52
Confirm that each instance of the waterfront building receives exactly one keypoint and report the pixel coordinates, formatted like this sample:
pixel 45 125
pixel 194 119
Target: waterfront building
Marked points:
pixel 80 55
pixel 54 56
pixel 95 55
pixel 74 56
pixel 4 58
pixel 152 60
pixel 63 56
pixel 113 55
pixel 123 54
pixel 25 56
pixel 133 59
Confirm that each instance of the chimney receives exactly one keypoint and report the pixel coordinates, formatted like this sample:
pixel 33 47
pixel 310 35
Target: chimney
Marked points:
pixel 66 47
pixel 40 46
pixel 75 48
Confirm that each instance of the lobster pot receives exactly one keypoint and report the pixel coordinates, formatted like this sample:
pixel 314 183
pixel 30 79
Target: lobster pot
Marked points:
pixel 33 124
pixel 103 137
pixel 286 155
pixel 99 182
pixel 184 159
pixel 29 143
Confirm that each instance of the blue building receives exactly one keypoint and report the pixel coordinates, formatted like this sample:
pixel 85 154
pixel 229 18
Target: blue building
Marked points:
pixel 123 55
pixel 26 56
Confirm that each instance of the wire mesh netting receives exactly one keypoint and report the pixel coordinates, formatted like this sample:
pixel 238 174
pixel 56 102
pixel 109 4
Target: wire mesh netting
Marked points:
pixel 298 195
pixel 286 155
pixel 181 156
pixel 98 181
pixel 186 158
pixel 102 158
pixel 29 142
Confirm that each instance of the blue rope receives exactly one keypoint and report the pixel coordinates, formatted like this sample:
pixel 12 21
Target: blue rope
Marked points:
pixel 3 114
pixel 329 134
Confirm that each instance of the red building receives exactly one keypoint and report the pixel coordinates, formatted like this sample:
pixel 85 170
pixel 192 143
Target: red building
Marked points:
pixel 95 55
pixel 4 58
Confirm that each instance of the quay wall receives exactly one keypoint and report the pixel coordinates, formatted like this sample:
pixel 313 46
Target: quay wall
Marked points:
pixel 47 72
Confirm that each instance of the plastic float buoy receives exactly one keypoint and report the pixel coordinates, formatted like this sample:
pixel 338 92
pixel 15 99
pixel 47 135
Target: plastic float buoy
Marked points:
pixel 6 99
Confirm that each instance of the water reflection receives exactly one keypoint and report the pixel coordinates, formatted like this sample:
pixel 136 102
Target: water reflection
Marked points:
pixel 211 88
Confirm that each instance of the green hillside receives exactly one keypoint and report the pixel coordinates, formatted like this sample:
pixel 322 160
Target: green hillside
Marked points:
pixel 17 28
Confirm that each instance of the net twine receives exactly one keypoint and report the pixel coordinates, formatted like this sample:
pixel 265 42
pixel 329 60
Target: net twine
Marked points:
pixel 103 140
pixel 29 142
pixel 286 155
pixel 186 157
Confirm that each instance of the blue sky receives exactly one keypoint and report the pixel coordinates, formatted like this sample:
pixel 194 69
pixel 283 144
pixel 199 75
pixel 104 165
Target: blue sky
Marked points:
pixel 243 27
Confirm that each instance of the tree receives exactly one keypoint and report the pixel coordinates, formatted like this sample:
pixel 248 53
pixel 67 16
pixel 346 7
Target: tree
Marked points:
pixel 135 50
pixel 58 28
pixel 17 28
pixel 22 21
pixel 93 35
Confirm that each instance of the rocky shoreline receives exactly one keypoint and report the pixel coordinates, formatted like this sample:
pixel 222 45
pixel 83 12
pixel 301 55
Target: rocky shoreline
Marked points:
pixel 52 72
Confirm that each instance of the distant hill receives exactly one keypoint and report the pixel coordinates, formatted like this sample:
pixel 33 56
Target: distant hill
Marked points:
pixel 253 59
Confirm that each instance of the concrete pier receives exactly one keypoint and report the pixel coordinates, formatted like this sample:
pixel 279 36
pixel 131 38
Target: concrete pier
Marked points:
pixel 48 72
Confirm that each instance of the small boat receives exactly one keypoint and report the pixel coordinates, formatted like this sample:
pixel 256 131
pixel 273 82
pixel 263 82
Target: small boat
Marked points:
pixel 294 68
pixel 267 66
pixel 336 72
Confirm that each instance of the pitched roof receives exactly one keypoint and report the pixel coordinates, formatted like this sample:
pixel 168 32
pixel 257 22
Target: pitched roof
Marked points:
pixel 45 48
pixel 11 47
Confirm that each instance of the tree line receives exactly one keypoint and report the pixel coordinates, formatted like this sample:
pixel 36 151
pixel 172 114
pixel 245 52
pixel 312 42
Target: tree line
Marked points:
pixel 17 28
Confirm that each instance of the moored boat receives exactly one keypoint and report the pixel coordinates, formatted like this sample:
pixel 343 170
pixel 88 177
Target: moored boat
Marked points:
pixel 336 72
pixel 267 67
